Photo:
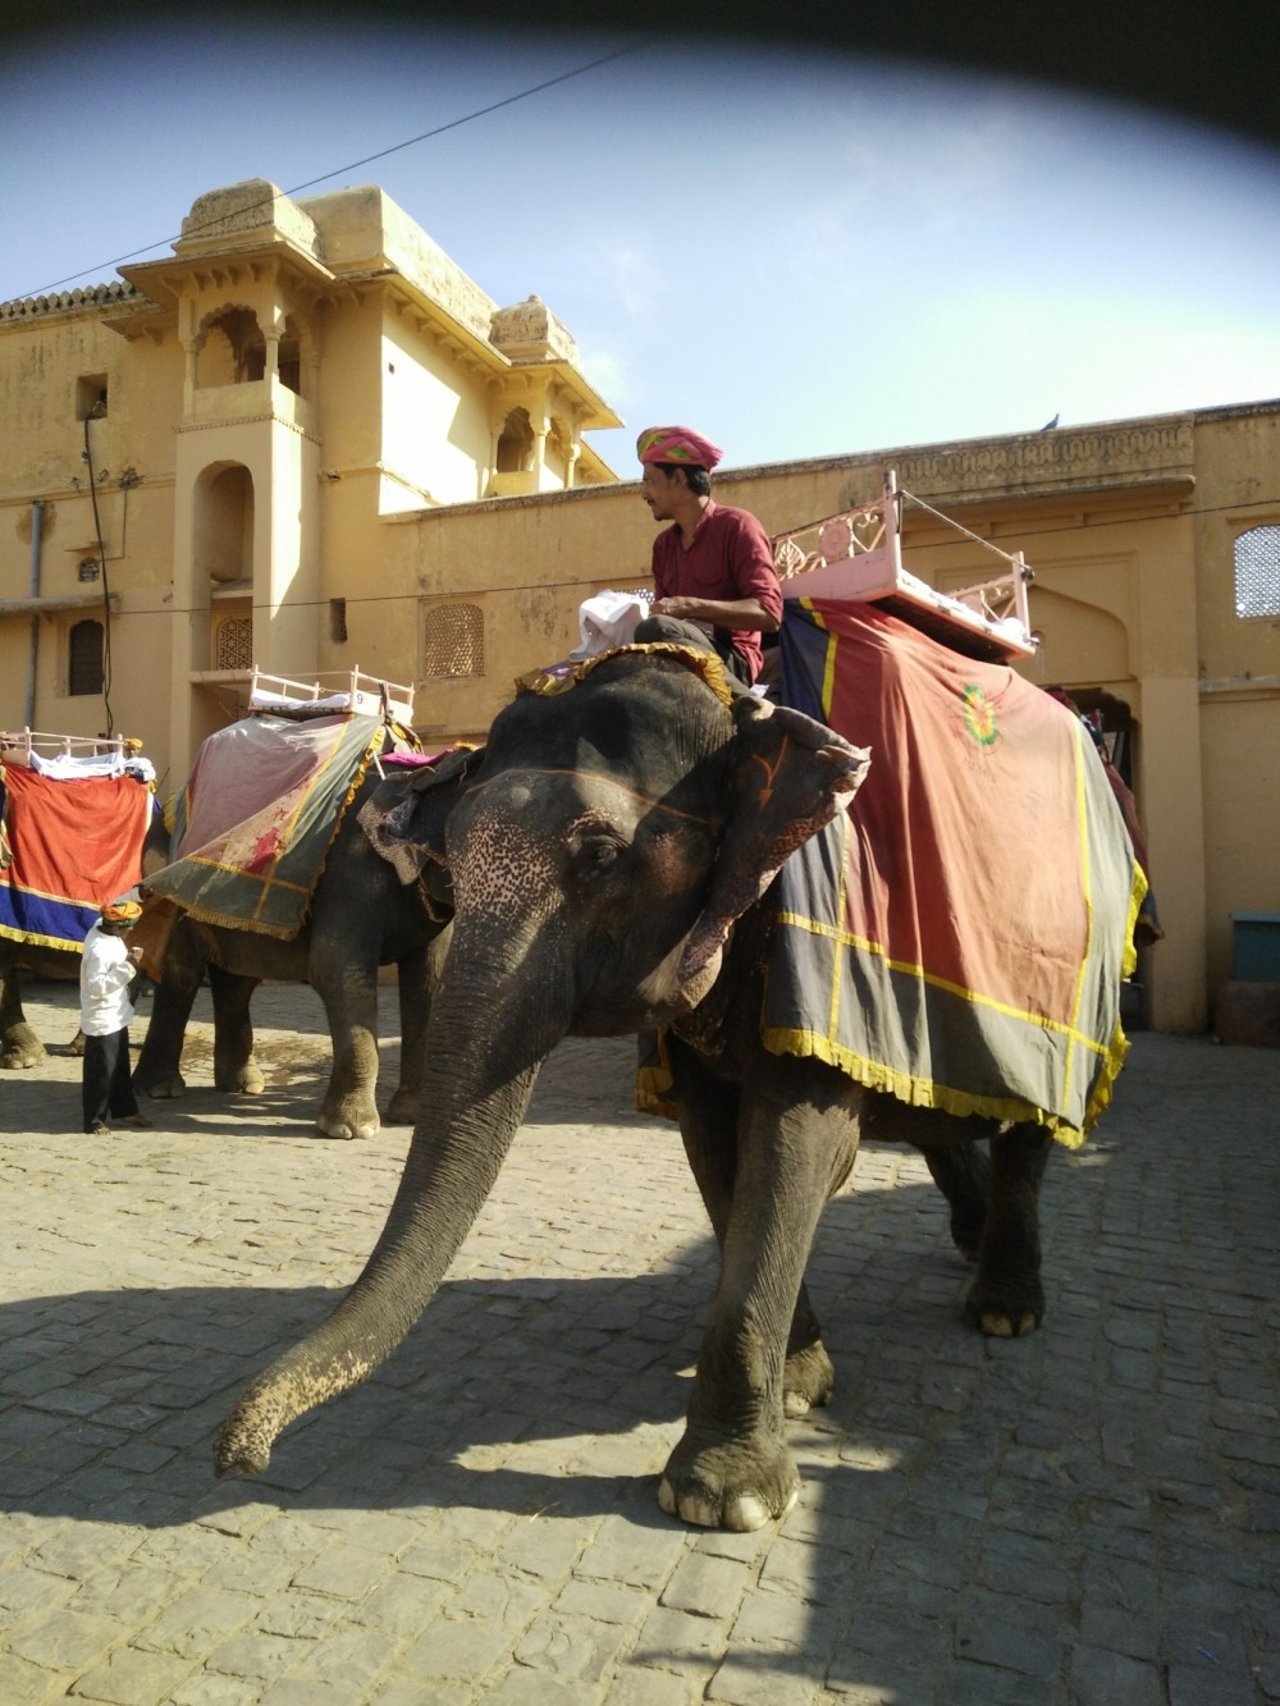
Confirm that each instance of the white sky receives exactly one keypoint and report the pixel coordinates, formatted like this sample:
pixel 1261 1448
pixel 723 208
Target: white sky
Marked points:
pixel 798 256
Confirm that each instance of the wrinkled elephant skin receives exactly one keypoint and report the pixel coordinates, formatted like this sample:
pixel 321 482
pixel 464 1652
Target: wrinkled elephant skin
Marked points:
pixel 608 851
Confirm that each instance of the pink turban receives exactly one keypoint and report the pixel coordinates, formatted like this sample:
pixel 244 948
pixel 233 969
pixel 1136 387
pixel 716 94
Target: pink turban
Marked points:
pixel 679 445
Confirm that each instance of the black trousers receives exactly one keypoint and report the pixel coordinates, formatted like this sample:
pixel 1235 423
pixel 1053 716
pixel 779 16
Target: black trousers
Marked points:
pixel 106 1082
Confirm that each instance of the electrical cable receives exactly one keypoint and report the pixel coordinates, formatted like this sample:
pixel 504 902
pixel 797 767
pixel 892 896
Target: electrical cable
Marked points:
pixel 102 561
pixel 426 136
pixel 454 593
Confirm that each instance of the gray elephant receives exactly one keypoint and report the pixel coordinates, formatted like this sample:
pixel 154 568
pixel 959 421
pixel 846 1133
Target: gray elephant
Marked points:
pixel 609 852
pixel 361 916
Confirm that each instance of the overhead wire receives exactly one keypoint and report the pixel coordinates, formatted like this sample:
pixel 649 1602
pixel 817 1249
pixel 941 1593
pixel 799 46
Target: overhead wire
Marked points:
pixel 368 159
pixel 454 593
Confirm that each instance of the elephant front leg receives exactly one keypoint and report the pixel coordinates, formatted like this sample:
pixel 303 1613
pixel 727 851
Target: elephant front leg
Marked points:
pixel 708 1125
pixel 348 988
pixel 234 1068
pixel 412 973
pixel 20 1047
pixel 796 1141
pixel 1006 1300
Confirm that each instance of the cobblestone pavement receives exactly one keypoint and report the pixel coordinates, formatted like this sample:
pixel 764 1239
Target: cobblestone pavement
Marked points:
pixel 1088 1516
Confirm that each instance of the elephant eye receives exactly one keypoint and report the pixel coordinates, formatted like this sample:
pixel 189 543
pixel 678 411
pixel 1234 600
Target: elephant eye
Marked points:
pixel 598 852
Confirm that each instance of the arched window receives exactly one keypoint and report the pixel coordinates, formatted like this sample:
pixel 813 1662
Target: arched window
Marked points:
pixel 84 658
pixel 515 444
pixel 1257 557
pixel 453 640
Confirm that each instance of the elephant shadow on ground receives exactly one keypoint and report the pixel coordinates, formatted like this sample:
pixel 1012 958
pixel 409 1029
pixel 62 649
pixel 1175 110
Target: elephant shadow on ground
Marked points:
pixel 557 1395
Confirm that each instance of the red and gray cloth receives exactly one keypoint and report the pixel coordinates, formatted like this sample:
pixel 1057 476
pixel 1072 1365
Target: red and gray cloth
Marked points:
pixel 265 798
pixel 960 938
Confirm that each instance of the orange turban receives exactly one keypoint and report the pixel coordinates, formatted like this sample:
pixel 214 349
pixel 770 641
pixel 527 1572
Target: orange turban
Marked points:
pixel 121 912
pixel 679 445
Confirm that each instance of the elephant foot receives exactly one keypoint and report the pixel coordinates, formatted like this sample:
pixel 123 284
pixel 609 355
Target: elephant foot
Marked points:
pixel 20 1054
pixel 163 1087
pixel 348 1120
pixel 1005 1309
pixel 243 1080
pixel 403 1107
pixel 739 1486
pixel 808 1380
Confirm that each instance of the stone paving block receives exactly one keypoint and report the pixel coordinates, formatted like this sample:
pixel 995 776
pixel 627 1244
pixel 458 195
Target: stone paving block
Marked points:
pixel 25 1684
pixel 636 1686
pixel 1195 1686
pixel 623 1552
pixel 1104 1676
pixel 349 1659
pixel 197 1621
pixel 299 1616
pixel 346 1572
pixel 465 1648
pixel 26 1594
pixel 208 1688
pixel 64 1640
pixel 572 1648
pixel 743 1680
pixel 254 1656
pixel 312 1692
pixel 402 1605
pixel 133 1678
pixel 706 1586
pixel 677 1640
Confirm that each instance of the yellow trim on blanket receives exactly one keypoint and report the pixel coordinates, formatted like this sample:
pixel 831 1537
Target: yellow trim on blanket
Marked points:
pixel 846 939
pixel 919 1092
pixel 654 1085
pixel 33 940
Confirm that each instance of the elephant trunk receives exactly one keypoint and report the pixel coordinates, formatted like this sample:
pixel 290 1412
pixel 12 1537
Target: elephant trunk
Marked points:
pixel 482 1062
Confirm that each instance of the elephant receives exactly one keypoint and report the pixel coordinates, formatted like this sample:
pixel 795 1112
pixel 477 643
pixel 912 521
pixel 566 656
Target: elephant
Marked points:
pixel 361 917
pixel 610 852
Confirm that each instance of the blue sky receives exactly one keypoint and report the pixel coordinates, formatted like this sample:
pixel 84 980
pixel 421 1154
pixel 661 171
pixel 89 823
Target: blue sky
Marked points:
pixel 799 256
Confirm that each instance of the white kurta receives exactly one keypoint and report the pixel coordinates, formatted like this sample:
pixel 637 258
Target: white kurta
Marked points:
pixel 106 971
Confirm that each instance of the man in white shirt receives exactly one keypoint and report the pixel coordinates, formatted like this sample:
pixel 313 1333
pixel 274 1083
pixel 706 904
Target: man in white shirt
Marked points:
pixel 107 968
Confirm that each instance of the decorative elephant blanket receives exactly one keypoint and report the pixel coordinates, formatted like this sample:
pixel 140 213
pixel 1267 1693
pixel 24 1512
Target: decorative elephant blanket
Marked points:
pixel 960 937
pixel 72 847
pixel 264 800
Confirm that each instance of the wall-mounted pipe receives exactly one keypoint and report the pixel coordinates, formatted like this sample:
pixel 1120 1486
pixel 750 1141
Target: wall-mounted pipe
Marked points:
pixel 33 651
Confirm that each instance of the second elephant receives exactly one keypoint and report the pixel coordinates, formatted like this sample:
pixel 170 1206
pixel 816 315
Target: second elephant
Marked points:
pixel 361 917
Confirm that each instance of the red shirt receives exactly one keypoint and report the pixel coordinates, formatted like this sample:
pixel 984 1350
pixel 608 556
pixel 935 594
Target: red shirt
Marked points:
pixel 730 557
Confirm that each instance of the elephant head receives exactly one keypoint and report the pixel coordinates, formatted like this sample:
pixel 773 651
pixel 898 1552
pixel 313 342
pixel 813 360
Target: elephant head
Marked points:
pixel 599 851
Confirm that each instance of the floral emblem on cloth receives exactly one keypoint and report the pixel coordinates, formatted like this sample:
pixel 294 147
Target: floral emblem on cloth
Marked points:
pixel 980 715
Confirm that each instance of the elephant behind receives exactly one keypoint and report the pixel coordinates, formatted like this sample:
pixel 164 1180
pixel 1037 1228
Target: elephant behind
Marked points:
pixel 611 853
pixel 361 917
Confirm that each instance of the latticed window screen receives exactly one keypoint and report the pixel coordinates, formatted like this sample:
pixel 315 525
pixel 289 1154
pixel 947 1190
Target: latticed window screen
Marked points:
pixel 453 640
pixel 84 658
pixel 1258 572
pixel 233 648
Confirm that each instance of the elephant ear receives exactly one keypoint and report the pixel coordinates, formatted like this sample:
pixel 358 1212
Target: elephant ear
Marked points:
pixel 405 821
pixel 789 777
